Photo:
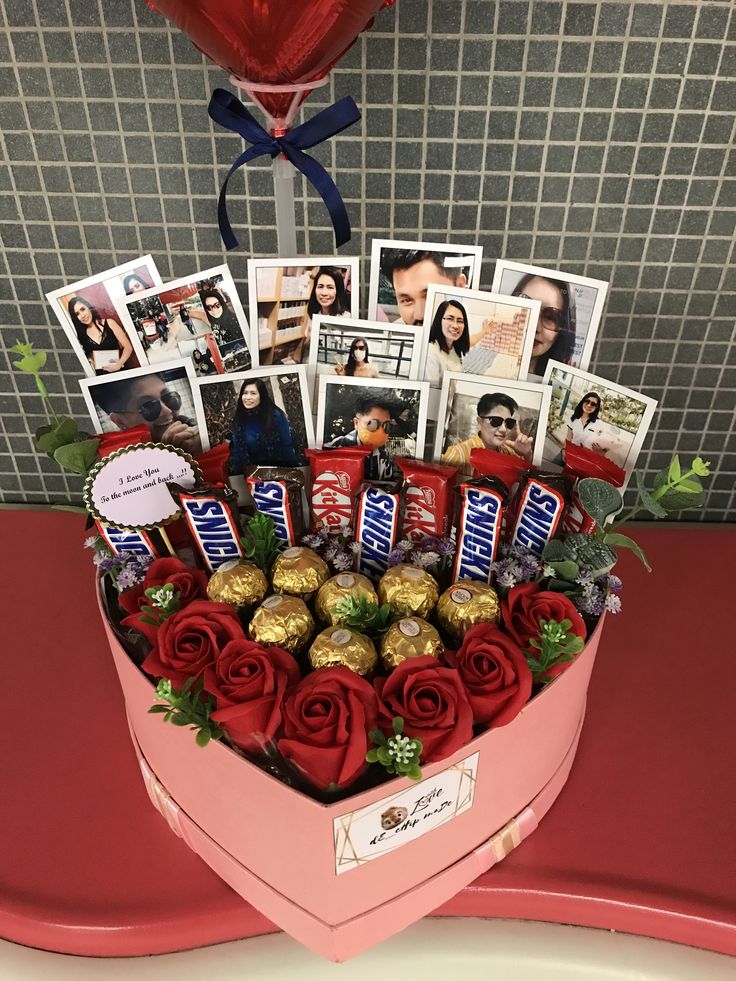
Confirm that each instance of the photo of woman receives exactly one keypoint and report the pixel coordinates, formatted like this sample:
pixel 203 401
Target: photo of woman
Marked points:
pixel 571 310
pixel 217 314
pixel 599 415
pixel 104 342
pixel 262 414
pixel 449 341
pixel 357 365
pixel 88 314
pixel 260 430
pixel 287 294
pixel 555 335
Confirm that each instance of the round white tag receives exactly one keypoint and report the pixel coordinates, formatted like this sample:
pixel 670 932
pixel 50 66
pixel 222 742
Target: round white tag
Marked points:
pixel 345 580
pixel 409 627
pixel 292 553
pixel 272 602
pixel 460 595
pixel 340 636
pixel 227 566
pixel 413 573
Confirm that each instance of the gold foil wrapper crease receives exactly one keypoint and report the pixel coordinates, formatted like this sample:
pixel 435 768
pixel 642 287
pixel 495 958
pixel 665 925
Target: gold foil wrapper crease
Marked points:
pixel 409 591
pixel 283 621
pixel 410 637
pixel 299 571
pixel 464 604
pixel 238 583
pixel 340 646
pixel 337 588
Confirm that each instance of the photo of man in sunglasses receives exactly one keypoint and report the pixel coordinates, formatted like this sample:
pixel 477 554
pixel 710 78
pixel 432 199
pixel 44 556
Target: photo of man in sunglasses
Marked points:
pixel 153 401
pixel 497 430
pixel 372 426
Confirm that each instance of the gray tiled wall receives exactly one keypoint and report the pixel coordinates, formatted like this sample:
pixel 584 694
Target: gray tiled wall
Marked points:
pixel 596 136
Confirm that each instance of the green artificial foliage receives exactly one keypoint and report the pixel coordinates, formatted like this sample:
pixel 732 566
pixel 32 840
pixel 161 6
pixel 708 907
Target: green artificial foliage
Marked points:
pixel 556 645
pixel 164 600
pixel 260 543
pixel 399 754
pixel 364 615
pixel 190 706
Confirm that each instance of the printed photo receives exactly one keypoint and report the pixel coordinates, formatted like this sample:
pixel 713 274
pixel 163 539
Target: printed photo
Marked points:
pixel 198 318
pixel 351 348
pixel 571 309
pixel 263 414
pixel 390 419
pixel 402 271
pixel 477 333
pixel 286 294
pixel 492 413
pixel 595 413
pixel 164 398
pixel 88 314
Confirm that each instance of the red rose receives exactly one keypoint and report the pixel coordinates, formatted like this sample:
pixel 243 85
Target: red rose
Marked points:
pixel 190 583
pixel 497 679
pixel 327 719
pixel 188 641
pixel 432 702
pixel 248 683
pixel 527 604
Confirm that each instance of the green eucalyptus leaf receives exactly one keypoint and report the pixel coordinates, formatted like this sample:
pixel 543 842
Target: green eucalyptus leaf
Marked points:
pixel 566 570
pixel 555 551
pixel 598 498
pixel 617 540
pixel 673 499
pixel 647 501
pixel 78 457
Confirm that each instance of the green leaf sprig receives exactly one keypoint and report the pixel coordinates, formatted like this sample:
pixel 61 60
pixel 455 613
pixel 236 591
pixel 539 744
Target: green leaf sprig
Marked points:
pixel 364 615
pixel 61 440
pixel 399 754
pixel 165 600
pixel 260 543
pixel 556 645
pixel 188 707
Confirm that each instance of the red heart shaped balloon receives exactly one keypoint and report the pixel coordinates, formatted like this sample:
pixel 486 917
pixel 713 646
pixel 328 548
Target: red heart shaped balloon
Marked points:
pixel 281 42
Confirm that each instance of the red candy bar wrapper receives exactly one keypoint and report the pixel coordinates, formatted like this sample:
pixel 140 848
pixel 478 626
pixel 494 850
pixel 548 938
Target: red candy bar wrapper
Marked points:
pixel 336 478
pixel 427 498
pixel 376 527
pixel 506 468
pixel 215 464
pixel 581 462
pixel 538 508
pixel 109 442
pixel 277 493
pixel 480 522
pixel 212 516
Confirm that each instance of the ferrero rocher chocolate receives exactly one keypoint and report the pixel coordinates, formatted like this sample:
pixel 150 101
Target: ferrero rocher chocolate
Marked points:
pixel 299 571
pixel 409 591
pixel 238 583
pixel 464 604
pixel 283 621
pixel 410 637
pixel 340 646
pixel 342 585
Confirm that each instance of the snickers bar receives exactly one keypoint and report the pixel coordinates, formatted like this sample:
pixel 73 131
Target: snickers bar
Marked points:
pixel 482 505
pixel 123 540
pixel 541 500
pixel 376 527
pixel 213 523
pixel 277 493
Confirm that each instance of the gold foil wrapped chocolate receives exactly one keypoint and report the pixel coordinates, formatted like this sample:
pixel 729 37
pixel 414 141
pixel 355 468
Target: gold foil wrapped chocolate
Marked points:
pixel 342 585
pixel 409 591
pixel 340 646
pixel 237 583
pixel 299 571
pixel 464 604
pixel 410 637
pixel 283 621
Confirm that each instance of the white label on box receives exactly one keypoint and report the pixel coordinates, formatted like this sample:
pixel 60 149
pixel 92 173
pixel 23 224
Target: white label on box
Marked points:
pixel 372 831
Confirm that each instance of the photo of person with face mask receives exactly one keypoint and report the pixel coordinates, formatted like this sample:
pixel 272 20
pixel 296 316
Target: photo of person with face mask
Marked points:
pixel 357 364
pixel 390 422
pixel 402 271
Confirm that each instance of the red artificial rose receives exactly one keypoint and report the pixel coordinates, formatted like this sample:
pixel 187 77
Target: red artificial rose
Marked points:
pixel 190 583
pixel 432 702
pixel 188 641
pixel 249 683
pixel 327 719
pixel 497 679
pixel 527 604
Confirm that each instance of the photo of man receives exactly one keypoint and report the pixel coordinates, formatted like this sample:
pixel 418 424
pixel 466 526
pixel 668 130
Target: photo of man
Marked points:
pixel 508 419
pixel 402 271
pixel 160 400
pixel 389 421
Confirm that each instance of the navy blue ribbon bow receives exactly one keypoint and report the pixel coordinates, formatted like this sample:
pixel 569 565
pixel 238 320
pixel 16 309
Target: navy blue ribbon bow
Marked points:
pixel 227 110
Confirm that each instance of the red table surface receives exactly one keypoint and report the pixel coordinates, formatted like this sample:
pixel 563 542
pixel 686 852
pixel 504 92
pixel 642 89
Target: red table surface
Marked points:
pixel 641 839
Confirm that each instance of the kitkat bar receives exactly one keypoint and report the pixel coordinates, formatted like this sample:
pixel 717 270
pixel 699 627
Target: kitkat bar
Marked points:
pixel 428 502
pixel 336 478
pixel 581 462
pixel 537 508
